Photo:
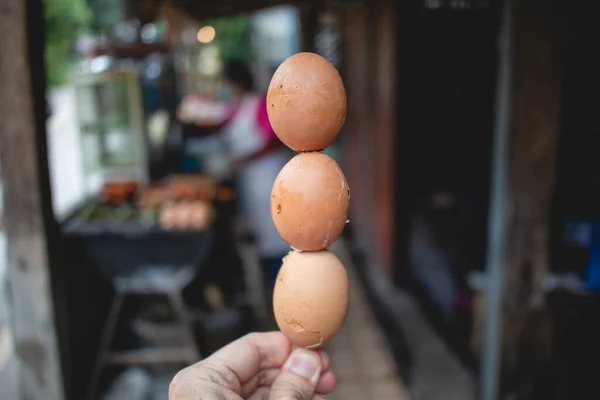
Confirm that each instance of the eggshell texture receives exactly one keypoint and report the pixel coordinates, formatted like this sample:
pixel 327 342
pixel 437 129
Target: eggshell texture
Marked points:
pixel 306 102
pixel 309 202
pixel 310 298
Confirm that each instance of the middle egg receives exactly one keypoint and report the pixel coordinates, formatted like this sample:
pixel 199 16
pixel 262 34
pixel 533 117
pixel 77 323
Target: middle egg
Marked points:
pixel 309 202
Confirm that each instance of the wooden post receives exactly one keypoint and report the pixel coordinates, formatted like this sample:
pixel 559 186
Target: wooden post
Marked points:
pixel 370 130
pixel 497 222
pixel 357 141
pixel 540 31
pixel 38 374
pixel 384 132
pixel 539 57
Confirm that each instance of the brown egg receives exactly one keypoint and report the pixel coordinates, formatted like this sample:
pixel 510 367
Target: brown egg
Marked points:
pixel 200 215
pixel 309 202
pixel 310 298
pixel 306 102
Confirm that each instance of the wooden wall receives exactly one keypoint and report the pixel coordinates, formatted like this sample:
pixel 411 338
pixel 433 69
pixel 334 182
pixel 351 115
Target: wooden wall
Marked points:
pixel 357 134
pixel 384 135
pixel 370 70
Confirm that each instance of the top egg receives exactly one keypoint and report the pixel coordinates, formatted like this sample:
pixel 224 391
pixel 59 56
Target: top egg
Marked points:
pixel 306 102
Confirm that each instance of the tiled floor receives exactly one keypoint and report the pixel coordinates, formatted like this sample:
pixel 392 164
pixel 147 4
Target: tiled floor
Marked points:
pixel 359 354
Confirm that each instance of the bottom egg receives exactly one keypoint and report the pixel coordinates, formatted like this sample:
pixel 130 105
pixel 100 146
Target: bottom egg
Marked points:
pixel 310 298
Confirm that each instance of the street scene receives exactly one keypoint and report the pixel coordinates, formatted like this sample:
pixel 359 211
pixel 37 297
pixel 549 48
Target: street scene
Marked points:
pixel 265 199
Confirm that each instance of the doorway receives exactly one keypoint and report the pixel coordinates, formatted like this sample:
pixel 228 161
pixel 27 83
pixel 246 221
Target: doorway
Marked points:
pixel 447 81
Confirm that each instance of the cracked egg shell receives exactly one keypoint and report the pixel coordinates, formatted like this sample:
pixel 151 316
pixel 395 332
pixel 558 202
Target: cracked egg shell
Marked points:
pixel 310 298
pixel 309 202
pixel 306 102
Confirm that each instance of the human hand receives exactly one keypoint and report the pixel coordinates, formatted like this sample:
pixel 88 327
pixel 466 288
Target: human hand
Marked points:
pixel 259 366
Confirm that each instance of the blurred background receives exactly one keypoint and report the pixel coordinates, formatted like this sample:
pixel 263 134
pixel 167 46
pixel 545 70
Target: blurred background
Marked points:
pixel 473 241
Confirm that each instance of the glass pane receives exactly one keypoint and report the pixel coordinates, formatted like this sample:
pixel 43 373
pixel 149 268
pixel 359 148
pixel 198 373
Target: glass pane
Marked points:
pixel 106 134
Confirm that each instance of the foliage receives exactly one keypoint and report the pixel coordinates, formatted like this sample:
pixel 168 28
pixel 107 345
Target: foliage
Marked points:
pixel 105 15
pixel 65 20
pixel 233 37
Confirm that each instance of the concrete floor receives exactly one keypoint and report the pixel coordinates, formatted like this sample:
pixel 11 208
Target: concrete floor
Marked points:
pixel 360 356
pixel 436 373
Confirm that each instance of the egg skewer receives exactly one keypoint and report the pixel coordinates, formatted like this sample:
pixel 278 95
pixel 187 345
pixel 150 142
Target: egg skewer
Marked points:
pixel 309 202
pixel 306 104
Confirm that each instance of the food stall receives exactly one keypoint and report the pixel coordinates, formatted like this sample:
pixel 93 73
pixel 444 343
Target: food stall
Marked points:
pixel 144 246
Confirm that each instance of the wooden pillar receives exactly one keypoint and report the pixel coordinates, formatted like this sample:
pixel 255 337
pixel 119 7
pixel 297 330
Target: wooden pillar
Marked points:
pixel 370 130
pixel 540 35
pixel 357 130
pixel 539 58
pixel 174 19
pixel 38 374
pixel 384 131
pixel 539 62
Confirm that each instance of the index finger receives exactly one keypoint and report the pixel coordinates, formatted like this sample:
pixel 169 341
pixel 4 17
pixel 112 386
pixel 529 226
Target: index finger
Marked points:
pixel 251 353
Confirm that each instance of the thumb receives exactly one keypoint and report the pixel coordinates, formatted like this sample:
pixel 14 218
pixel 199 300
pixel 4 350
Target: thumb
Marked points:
pixel 298 377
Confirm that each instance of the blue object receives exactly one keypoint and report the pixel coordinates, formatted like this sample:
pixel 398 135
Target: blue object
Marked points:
pixel 151 95
pixel 592 278
pixel 190 164
pixel 272 266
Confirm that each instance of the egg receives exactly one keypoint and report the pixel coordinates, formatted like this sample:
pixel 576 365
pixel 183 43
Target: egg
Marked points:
pixel 200 215
pixel 168 216
pixel 309 202
pixel 310 297
pixel 306 102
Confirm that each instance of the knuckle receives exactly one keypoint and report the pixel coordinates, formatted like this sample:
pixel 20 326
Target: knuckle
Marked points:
pixel 188 384
pixel 176 386
pixel 215 374
pixel 262 378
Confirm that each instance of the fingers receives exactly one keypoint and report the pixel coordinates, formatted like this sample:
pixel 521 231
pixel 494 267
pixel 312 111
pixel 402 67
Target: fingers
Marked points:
pixel 326 383
pixel 248 366
pixel 265 378
pixel 186 387
pixel 241 360
pixel 233 365
pixel 298 378
pixel 263 393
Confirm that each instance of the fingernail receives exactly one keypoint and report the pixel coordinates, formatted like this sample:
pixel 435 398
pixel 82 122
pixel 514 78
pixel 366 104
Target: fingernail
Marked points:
pixel 304 364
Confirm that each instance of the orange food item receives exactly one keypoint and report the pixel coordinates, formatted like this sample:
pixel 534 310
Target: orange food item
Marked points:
pixel 306 102
pixel 192 187
pixel 117 191
pixel 310 298
pixel 310 201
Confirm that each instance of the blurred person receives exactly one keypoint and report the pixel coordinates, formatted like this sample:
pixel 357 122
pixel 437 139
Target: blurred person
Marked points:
pixel 257 366
pixel 257 156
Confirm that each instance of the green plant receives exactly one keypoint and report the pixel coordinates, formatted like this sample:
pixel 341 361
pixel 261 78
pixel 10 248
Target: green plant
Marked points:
pixel 65 20
pixel 233 37
pixel 105 15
